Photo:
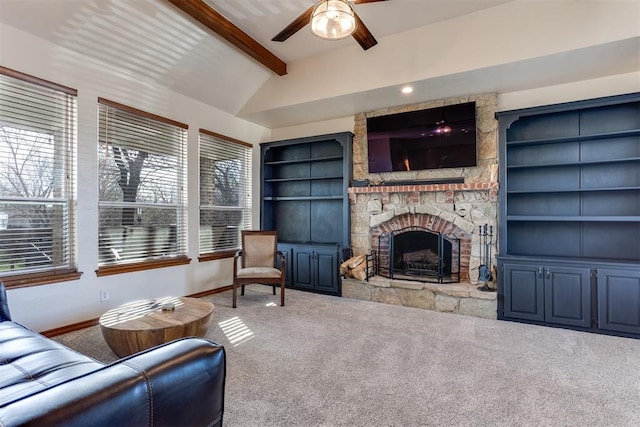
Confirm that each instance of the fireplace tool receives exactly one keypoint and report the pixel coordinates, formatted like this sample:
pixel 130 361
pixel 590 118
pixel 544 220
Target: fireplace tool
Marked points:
pixel 484 271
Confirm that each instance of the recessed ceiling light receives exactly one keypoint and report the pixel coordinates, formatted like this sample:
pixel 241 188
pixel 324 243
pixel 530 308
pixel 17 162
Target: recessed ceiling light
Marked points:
pixel 407 89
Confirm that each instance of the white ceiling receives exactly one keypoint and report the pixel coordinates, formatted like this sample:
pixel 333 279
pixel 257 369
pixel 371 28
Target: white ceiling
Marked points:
pixel 263 19
pixel 153 40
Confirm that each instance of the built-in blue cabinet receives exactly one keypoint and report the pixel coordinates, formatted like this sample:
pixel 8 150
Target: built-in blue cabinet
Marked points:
pixel 569 215
pixel 304 197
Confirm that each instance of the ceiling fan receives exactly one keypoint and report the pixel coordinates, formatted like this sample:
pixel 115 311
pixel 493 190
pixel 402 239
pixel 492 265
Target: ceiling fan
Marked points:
pixel 331 9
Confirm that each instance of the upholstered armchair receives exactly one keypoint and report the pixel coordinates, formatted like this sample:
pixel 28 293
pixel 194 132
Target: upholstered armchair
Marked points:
pixel 258 262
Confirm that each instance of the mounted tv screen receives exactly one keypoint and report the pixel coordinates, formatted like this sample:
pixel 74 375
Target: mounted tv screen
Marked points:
pixel 436 138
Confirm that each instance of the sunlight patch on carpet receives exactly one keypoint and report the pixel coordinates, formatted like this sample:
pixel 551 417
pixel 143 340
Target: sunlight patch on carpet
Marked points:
pixel 236 331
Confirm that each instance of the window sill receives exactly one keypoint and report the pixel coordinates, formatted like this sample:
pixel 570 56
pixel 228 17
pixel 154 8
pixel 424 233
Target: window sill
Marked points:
pixel 108 270
pixel 44 278
pixel 218 255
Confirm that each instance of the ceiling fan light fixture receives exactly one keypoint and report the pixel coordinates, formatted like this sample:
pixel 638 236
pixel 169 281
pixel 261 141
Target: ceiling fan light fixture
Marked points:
pixel 333 19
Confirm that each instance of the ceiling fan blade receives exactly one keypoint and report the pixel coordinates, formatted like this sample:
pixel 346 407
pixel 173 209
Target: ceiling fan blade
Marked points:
pixel 295 26
pixel 362 34
pixel 365 1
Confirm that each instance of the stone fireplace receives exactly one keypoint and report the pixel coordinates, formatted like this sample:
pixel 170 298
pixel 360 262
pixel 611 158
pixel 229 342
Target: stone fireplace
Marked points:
pixel 435 214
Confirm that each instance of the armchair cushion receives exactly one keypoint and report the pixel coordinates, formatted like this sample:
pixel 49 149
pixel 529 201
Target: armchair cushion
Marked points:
pixel 258 273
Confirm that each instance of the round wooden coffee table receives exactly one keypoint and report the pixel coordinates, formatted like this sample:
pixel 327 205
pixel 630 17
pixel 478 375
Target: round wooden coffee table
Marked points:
pixel 139 325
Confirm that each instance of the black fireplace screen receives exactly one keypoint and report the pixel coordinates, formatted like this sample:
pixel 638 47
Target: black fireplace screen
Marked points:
pixel 417 253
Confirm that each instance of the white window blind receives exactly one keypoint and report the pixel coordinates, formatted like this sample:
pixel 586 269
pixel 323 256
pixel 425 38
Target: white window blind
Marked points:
pixel 142 180
pixel 225 191
pixel 37 172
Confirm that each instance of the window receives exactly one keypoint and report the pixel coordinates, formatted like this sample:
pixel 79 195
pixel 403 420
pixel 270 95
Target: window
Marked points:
pixel 142 180
pixel 225 196
pixel 37 173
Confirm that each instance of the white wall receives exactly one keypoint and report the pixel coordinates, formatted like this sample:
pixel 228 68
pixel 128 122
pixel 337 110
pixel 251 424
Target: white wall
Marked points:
pixel 344 124
pixel 574 91
pixel 49 306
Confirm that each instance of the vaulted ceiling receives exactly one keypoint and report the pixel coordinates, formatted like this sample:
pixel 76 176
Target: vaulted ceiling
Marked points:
pixel 442 47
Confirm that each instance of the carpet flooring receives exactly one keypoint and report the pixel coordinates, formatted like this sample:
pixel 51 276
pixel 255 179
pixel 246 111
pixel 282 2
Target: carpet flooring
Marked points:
pixel 328 361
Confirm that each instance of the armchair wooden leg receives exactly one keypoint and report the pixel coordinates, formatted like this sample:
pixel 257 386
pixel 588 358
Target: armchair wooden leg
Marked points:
pixel 242 291
pixel 235 294
pixel 274 289
pixel 281 295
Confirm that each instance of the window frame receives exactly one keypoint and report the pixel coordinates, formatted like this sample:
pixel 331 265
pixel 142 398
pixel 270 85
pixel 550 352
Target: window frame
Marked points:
pixel 151 262
pixel 66 168
pixel 247 186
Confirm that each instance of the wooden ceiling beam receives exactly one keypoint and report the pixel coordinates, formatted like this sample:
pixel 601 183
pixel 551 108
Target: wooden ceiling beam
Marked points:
pixel 214 21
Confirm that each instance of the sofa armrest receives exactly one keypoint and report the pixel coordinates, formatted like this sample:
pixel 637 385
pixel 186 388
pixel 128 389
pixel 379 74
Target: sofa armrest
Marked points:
pixel 179 383
pixel 4 304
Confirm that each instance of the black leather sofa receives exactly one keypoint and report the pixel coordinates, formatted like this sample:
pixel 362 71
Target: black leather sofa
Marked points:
pixel 44 383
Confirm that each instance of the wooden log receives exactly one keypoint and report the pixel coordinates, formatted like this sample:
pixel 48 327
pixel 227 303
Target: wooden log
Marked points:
pixel 350 264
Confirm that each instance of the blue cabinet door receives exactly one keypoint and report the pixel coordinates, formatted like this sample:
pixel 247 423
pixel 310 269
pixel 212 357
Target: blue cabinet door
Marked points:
pixel 327 271
pixel 567 293
pixel 619 300
pixel 303 269
pixel 523 292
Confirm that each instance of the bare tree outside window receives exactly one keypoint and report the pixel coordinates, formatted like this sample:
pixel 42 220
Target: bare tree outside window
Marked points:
pixel 227 175
pixel 37 179
pixel 141 192
pixel 30 198
pixel 225 207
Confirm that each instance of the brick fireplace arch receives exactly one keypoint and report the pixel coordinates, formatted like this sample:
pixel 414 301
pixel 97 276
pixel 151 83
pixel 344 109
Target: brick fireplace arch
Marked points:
pixel 417 221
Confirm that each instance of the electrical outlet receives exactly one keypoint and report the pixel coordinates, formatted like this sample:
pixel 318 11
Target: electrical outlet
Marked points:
pixel 104 295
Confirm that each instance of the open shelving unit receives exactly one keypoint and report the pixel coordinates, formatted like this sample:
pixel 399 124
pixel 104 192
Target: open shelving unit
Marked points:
pixel 570 199
pixel 304 197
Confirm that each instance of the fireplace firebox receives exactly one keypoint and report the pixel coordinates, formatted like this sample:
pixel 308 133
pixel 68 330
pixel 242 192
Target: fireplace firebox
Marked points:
pixel 417 253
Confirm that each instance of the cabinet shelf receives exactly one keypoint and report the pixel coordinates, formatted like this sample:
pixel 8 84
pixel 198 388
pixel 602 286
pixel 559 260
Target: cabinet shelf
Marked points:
pixel 573 218
pixel 572 190
pixel 591 137
pixel 312 178
pixel 308 160
pixel 580 163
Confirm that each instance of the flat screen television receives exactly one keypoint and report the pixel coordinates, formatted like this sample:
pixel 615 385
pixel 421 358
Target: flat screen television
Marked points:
pixel 443 137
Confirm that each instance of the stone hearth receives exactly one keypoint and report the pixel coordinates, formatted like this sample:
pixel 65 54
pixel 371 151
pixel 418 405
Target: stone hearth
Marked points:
pixel 459 298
